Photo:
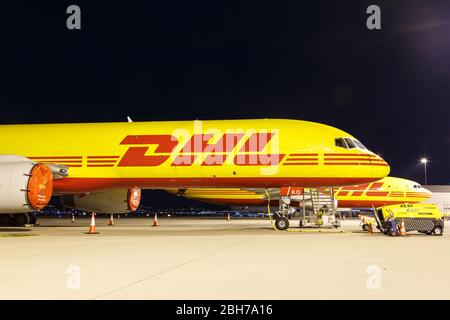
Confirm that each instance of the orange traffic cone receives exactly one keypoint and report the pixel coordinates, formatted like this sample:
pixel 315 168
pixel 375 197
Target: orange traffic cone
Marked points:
pixel 228 217
pixel 155 220
pixel 73 218
pixel 111 220
pixel 402 228
pixel 92 229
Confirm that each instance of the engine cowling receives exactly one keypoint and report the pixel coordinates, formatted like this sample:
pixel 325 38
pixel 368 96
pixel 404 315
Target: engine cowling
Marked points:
pixel 25 186
pixel 111 201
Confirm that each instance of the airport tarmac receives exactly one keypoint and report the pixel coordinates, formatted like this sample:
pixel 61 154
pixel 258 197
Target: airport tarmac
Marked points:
pixel 211 258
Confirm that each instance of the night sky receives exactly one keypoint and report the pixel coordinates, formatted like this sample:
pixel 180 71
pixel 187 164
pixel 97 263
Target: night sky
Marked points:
pixel 309 60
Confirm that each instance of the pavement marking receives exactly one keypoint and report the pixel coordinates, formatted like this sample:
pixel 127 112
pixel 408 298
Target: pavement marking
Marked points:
pixel 16 235
pixel 172 268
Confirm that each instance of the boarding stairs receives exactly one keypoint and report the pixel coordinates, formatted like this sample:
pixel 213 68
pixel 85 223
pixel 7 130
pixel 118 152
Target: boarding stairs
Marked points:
pixel 319 209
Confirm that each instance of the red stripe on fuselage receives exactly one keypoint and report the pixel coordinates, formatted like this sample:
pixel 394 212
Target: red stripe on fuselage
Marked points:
pixel 367 203
pixel 300 164
pixel 81 185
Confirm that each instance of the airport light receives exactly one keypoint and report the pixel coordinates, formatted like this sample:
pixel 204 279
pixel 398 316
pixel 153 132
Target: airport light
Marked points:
pixel 425 161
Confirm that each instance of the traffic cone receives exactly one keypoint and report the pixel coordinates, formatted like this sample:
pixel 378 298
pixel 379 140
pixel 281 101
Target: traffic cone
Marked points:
pixel 111 220
pixel 228 217
pixel 73 218
pixel 92 229
pixel 402 229
pixel 155 220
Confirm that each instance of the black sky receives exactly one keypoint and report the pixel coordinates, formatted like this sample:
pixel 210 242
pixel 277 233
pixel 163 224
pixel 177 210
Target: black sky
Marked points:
pixel 310 60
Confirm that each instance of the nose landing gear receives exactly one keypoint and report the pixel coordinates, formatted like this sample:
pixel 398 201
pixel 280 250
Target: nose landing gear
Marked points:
pixel 282 223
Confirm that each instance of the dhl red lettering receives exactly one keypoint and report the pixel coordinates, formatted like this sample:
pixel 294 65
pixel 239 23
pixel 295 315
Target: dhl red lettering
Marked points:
pixel 184 160
pixel 135 156
pixel 197 143
pixel 358 187
pixel 257 142
pixel 215 160
pixel 376 185
pixel 226 143
pixel 166 142
pixel 200 143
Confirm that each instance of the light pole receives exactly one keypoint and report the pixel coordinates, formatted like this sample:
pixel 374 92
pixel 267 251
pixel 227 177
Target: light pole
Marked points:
pixel 425 161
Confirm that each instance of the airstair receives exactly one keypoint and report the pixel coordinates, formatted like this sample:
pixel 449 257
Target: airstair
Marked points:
pixel 319 208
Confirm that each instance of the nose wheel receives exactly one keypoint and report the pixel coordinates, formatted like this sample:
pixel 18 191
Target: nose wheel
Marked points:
pixel 282 223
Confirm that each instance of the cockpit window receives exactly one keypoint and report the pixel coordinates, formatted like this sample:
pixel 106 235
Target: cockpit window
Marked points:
pixel 359 144
pixel 350 143
pixel 339 142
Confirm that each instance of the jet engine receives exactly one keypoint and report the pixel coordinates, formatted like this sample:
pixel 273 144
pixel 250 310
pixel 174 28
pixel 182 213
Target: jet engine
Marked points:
pixel 111 201
pixel 25 186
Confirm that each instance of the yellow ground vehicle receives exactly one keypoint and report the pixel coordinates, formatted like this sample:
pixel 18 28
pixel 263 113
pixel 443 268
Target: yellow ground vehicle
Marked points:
pixel 425 218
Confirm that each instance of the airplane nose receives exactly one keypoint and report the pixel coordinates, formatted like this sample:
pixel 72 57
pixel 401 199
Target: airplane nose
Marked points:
pixel 380 168
pixel 427 192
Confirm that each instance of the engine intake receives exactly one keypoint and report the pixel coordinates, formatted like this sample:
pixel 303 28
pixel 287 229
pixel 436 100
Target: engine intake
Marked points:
pixel 111 201
pixel 24 185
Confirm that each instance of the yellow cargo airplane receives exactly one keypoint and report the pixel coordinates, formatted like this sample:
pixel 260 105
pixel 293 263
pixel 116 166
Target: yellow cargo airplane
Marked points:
pixel 387 191
pixel 102 166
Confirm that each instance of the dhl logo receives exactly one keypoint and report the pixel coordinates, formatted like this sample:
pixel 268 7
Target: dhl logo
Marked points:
pixel 198 144
pixel 374 190
pixel 358 190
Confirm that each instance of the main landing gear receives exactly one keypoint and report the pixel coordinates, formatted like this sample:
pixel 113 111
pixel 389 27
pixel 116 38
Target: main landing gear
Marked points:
pixel 17 219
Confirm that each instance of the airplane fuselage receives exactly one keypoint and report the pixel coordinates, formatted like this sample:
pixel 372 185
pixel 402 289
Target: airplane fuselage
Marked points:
pixel 222 153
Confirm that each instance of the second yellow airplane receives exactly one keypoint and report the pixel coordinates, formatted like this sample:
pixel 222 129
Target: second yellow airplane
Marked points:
pixel 387 191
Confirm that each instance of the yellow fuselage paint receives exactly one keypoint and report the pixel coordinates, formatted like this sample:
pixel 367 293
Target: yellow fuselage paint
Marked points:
pixel 101 156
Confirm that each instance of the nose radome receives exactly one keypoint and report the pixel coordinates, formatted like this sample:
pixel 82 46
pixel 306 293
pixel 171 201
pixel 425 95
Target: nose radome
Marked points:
pixel 380 168
pixel 427 192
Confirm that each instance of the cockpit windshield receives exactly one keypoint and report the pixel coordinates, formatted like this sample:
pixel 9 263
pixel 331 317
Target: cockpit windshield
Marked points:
pixel 339 142
pixel 348 143
pixel 360 145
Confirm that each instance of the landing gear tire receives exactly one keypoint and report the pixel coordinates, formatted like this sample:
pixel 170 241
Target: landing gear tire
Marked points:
pixel 33 218
pixel 6 220
pixel 392 233
pixel 437 231
pixel 282 223
pixel 21 219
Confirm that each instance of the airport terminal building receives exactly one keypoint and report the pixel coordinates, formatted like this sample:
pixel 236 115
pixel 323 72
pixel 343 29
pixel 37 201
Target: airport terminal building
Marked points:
pixel 440 197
